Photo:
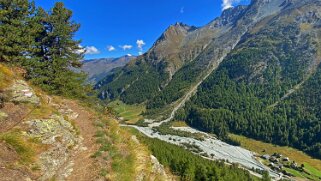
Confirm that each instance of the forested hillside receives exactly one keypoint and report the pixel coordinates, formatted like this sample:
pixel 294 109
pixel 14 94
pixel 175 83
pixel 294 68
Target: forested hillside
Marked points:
pixel 268 87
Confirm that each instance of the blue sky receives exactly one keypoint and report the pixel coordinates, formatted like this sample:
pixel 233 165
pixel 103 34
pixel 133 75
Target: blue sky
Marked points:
pixel 112 28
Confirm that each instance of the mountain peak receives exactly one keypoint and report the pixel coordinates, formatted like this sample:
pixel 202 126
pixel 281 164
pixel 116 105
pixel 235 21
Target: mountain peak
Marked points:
pixel 179 27
pixel 174 33
pixel 183 25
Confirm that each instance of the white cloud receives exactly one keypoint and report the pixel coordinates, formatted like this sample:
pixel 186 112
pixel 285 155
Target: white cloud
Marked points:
pixel 140 44
pixel 129 55
pixel 111 48
pixel 91 50
pixel 182 10
pixel 126 47
pixel 228 3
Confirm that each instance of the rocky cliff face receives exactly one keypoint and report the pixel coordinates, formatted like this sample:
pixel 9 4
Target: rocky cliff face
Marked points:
pixel 181 43
pixel 167 47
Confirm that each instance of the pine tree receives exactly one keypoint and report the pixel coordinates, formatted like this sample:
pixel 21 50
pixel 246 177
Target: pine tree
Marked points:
pixel 57 52
pixel 16 33
pixel 37 66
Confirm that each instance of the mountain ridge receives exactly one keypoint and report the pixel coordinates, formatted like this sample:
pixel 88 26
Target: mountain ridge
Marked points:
pixel 99 68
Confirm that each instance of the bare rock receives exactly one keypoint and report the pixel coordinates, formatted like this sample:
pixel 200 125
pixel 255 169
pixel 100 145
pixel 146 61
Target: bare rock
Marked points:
pixel 69 113
pixel 63 141
pixel 21 92
pixel 157 167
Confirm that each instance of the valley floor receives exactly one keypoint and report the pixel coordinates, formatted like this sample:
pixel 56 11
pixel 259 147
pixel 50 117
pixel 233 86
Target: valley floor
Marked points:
pixel 211 148
pixel 206 145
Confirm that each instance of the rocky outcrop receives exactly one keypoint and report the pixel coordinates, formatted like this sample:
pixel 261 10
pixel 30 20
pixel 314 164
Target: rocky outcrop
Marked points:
pixel 21 92
pixel 71 115
pixel 158 168
pixel 61 138
pixel 229 16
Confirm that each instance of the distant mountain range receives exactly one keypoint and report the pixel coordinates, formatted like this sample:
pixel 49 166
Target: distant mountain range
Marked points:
pixel 100 68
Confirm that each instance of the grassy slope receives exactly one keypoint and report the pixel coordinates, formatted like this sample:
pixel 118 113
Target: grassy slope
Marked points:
pixel 310 169
pixel 313 166
pixel 114 147
pixel 179 124
pixel 130 113
pixel 130 158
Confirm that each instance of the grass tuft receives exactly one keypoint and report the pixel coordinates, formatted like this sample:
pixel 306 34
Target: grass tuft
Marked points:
pixel 24 148
pixel 6 76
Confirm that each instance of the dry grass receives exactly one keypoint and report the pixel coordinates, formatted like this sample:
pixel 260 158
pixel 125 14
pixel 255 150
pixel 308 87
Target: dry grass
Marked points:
pixel 6 76
pixel 45 110
pixel 42 112
pixel 305 27
pixel 25 148
pixel 143 163
pixel 123 157
pixel 142 158
pixel 129 159
pixel 293 154
pixel 179 124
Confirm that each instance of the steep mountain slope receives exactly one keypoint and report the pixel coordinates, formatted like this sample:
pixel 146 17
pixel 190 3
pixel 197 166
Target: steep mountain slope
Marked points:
pixel 97 69
pixel 255 70
pixel 268 86
pixel 162 81
pixel 179 45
